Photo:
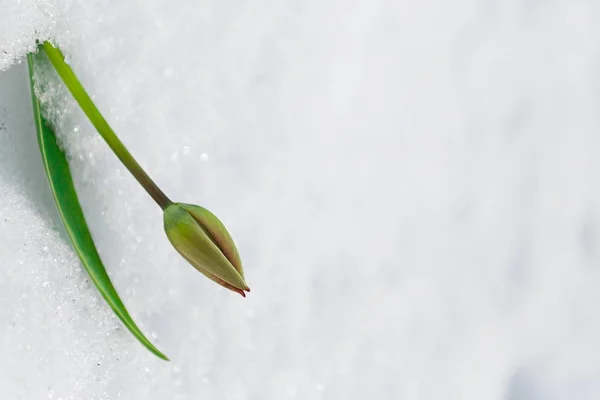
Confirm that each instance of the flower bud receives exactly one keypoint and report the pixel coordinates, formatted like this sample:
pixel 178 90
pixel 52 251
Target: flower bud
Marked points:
pixel 199 236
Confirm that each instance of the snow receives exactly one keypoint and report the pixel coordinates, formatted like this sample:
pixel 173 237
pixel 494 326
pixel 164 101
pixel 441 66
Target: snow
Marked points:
pixel 412 187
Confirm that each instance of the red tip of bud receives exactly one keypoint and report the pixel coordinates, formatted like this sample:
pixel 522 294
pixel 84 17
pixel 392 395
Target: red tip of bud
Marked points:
pixel 240 291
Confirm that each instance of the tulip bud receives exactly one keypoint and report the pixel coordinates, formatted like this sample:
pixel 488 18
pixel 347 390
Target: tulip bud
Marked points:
pixel 199 236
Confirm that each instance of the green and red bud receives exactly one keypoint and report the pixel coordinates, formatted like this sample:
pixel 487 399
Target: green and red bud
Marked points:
pixel 199 236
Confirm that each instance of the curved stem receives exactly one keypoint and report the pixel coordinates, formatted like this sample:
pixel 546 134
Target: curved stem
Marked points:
pixel 89 108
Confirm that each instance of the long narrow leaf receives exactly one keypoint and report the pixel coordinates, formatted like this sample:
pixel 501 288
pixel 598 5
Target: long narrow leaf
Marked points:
pixel 61 182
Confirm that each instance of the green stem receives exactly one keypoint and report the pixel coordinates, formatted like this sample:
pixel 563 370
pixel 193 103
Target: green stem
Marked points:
pixel 89 108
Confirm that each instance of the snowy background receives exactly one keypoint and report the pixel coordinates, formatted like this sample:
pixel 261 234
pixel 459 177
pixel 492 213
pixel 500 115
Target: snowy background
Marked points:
pixel 413 187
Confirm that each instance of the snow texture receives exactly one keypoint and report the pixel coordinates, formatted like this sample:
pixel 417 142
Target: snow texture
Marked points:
pixel 413 187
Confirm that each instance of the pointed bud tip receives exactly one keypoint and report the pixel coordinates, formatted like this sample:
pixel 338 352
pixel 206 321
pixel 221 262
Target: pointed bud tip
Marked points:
pixel 241 292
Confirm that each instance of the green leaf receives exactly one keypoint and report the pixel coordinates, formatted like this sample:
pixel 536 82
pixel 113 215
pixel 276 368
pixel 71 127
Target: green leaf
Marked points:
pixel 61 183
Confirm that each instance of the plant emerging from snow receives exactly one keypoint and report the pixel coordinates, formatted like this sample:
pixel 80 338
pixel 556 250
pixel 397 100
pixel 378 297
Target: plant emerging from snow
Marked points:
pixel 197 234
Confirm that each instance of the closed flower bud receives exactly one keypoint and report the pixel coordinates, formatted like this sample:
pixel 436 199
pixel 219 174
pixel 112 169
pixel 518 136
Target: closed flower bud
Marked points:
pixel 199 236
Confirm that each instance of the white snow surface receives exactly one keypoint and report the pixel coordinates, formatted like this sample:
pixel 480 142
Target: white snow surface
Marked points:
pixel 413 187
